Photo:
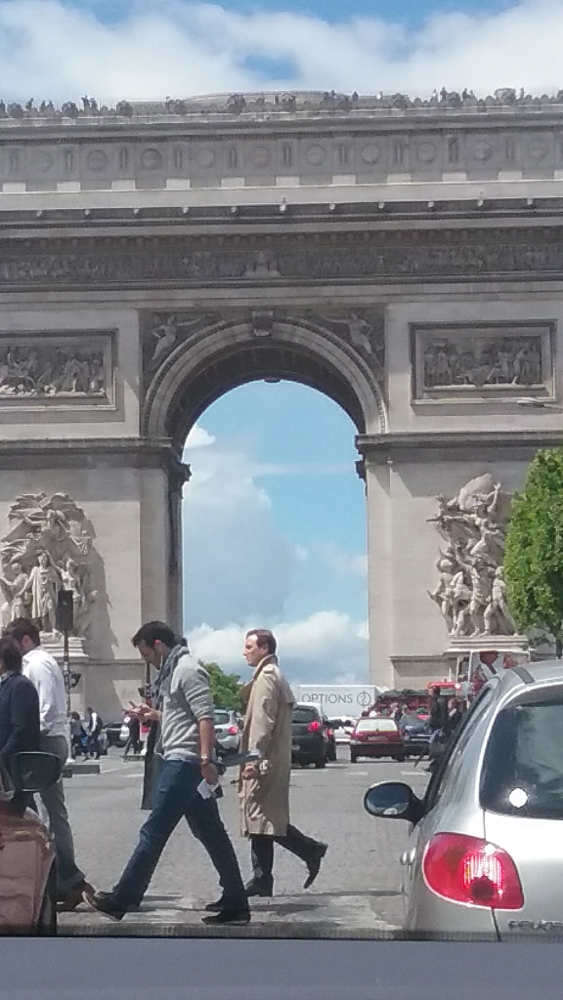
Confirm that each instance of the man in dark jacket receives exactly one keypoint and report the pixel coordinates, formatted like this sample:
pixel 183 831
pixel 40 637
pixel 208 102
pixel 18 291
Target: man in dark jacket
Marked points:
pixel 19 706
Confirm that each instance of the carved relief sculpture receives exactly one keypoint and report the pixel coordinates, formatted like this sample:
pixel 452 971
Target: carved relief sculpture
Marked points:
pixel 364 329
pixel 471 592
pixel 54 367
pixel 489 361
pixel 162 332
pixel 46 549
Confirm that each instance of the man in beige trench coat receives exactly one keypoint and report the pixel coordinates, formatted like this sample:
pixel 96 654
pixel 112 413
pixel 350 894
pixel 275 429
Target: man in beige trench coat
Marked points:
pixel 264 786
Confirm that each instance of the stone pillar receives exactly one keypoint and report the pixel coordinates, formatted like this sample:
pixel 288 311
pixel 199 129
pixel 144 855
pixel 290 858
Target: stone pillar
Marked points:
pixel 380 569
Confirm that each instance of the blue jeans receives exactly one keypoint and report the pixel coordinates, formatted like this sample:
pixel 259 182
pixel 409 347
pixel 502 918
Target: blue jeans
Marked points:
pixel 175 796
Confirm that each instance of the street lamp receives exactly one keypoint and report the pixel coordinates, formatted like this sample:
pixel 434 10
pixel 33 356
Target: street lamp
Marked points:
pixel 65 622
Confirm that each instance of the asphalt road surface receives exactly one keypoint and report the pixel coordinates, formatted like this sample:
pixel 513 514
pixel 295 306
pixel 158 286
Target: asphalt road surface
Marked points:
pixel 357 893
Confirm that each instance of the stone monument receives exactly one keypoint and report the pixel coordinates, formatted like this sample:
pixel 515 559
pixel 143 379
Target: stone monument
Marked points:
pixel 47 549
pixel 471 590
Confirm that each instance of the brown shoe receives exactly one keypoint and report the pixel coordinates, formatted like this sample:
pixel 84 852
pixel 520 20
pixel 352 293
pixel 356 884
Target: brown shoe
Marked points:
pixel 75 897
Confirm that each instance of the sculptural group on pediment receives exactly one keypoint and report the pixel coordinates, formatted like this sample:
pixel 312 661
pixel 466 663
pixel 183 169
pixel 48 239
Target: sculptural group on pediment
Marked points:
pixel 471 591
pixel 47 548
pixel 46 369
pixel 469 359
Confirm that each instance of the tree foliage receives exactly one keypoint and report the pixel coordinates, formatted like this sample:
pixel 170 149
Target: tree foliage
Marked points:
pixel 225 688
pixel 533 563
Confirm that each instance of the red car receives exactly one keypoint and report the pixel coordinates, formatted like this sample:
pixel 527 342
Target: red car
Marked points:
pixel 27 852
pixel 379 737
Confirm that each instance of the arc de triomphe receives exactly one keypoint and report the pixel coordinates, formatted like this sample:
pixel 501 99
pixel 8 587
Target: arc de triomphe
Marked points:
pixel 405 260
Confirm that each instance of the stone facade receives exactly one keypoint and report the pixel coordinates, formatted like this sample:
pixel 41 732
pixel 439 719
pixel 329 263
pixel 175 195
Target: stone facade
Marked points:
pixel 151 261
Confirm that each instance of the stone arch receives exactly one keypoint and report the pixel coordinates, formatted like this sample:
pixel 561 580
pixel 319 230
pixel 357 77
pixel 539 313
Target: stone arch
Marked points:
pixel 213 362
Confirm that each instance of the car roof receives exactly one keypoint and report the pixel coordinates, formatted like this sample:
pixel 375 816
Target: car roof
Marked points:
pixel 530 675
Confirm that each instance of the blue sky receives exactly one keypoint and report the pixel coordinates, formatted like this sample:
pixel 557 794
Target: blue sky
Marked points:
pixel 274 524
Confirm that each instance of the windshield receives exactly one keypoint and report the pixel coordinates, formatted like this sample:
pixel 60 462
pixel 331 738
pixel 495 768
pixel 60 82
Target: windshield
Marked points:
pixel 376 726
pixel 304 714
pixel 222 718
pixel 523 767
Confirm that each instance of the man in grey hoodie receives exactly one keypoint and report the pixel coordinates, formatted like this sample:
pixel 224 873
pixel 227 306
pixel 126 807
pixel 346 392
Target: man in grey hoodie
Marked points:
pixel 184 710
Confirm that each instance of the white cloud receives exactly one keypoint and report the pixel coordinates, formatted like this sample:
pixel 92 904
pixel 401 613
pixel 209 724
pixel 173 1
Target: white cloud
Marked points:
pixel 341 562
pixel 189 48
pixel 198 438
pixel 327 646
pixel 241 572
pixel 237 564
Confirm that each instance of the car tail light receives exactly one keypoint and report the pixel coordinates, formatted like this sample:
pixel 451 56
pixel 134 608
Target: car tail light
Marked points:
pixel 232 730
pixel 314 727
pixel 470 870
pixel 330 733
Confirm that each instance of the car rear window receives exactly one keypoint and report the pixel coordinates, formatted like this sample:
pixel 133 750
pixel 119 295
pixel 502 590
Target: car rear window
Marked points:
pixel 304 714
pixel 222 718
pixel 376 726
pixel 523 766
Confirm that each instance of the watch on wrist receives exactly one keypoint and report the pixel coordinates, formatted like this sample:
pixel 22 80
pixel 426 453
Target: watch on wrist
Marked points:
pixel 205 760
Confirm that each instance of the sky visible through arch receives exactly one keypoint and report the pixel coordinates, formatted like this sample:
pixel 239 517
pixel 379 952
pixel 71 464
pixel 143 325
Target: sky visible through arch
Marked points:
pixel 275 532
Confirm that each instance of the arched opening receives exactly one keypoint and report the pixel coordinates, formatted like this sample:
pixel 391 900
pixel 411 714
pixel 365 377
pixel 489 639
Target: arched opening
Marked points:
pixel 274 533
pixel 227 355
pixel 219 356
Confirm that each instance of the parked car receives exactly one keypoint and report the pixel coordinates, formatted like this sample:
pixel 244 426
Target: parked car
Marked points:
pixel 379 737
pixel 227 731
pixel 310 739
pixel 342 728
pixel 28 897
pixel 484 855
pixel 416 734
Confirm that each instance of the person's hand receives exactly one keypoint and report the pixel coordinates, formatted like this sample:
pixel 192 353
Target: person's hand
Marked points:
pixel 147 714
pixel 209 773
pixel 250 771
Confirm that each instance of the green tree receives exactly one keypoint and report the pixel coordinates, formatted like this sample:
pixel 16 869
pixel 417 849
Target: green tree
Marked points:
pixel 225 688
pixel 533 563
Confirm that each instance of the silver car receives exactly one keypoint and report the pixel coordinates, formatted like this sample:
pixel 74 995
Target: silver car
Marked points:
pixel 227 730
pixel 485 850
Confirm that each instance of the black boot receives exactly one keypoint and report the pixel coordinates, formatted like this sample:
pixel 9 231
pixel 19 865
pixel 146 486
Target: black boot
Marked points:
pixel 260 887
pixel 216 907
pixel 315 864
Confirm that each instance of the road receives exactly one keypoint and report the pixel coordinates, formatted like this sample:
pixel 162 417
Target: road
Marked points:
pixel 357 893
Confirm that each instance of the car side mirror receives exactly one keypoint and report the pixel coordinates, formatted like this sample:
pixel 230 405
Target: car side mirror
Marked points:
pixel 34 771
pixel 393 800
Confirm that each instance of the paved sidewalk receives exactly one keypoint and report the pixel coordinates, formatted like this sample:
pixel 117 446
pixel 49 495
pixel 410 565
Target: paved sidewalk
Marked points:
pixel 306 916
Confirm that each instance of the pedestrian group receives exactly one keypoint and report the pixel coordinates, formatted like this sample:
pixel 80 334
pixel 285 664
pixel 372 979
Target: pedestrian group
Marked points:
pixel 181 772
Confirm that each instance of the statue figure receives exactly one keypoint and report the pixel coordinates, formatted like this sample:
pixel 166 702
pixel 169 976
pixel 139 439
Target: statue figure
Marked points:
pixel 165 334
pixel 498 620
pixel 45 582
pixel 442 593
pixel 15 591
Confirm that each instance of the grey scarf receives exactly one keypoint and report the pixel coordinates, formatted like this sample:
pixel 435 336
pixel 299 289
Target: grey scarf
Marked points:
pixel 165 672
